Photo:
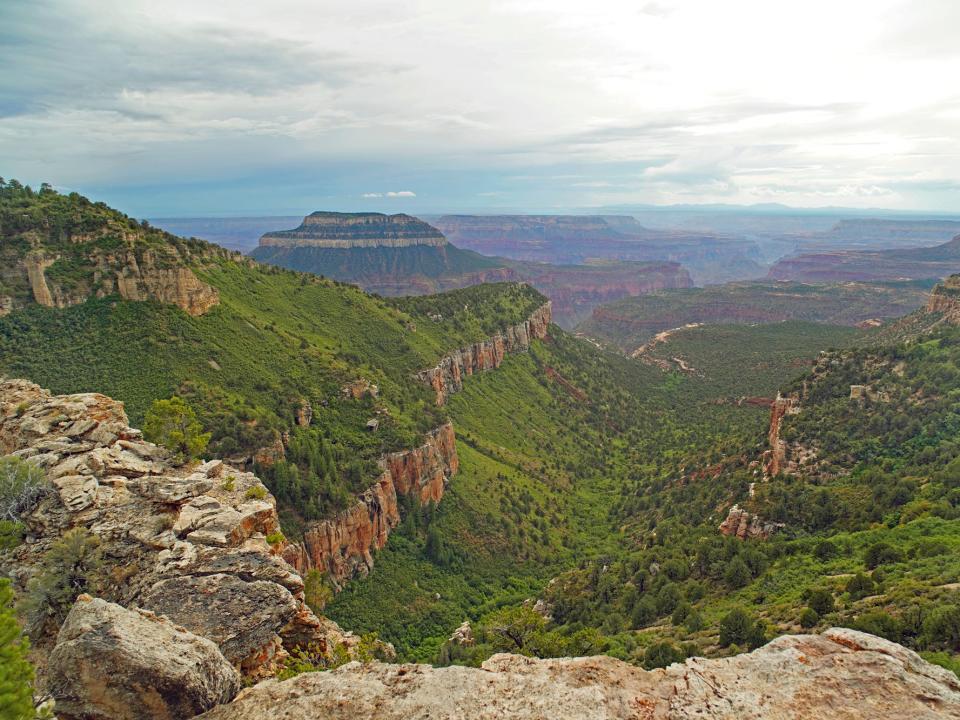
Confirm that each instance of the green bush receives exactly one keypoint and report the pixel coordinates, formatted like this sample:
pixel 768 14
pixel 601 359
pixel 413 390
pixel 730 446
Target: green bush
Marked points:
pixel 738 627
pixel 16 672
pixel 820 601
pixel 809 618
pixel 70 567
pixel 860 586
pixel 174 425
pixel 881 554
pixel 662 654
pixel 941 629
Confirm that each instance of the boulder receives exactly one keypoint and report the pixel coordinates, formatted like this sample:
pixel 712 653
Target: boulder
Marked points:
pixel 243 618
pixel 842 675
pixel 110 663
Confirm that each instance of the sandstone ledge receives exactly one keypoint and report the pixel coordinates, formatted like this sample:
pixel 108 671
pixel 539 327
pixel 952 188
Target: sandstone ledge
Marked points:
pixel 842 675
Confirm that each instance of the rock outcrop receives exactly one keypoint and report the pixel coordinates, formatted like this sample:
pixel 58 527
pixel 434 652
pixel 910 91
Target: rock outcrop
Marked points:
pixel 111 663
pixel 842 674
pixel 745 525
pixel 775 457
pixel 342 546
pixel 188 542
pixel 945 299
pixel 356 230
pixel 448 375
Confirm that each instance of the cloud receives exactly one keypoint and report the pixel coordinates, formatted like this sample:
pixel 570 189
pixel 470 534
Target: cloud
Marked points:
pixel 638 102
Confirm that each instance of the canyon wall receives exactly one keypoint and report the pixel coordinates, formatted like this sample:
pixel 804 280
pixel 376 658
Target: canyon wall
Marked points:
pixel 447 376
pixel 341 546
pixel 945 299
pixel 160 275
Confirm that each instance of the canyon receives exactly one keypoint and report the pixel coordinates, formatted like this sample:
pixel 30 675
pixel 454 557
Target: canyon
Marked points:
pixel 579 239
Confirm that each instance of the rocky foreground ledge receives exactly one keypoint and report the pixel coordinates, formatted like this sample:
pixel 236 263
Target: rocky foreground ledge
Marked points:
pixel 840 675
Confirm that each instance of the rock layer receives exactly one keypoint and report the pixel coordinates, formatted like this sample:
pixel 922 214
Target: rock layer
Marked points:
pixel 356 230
pixel 945 299
pixel 775 457
pixel 447 376
pixel 842 674
pixel 341 546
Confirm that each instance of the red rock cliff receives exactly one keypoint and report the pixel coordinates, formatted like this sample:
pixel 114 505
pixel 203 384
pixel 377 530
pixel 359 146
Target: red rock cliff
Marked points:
pixel 447 376
pixel 341 546
pixel 776 455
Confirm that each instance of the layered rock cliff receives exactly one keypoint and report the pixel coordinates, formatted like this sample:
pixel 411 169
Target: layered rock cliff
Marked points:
pixel 842 674
pixel 191 542
pixel 342 546
pixel 447 376
pixel 356 230
pixel 945 299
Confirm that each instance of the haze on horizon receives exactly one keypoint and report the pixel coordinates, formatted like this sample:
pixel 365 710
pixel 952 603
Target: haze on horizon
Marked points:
pixel 216 107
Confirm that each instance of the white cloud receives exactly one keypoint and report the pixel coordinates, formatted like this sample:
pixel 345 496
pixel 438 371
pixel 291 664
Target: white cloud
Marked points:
pixel 726 100
pixel 401 194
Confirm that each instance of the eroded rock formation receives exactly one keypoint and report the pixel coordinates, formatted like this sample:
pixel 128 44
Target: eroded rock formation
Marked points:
pixel 342 546
pixel 842 674
pixel 447 376
pixel 747 526
pixel 945 299
pixel 775 458
pixel 189 542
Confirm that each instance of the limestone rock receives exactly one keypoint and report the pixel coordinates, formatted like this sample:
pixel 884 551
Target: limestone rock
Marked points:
pixel 113 664
pixel 842 675
pixel 356 230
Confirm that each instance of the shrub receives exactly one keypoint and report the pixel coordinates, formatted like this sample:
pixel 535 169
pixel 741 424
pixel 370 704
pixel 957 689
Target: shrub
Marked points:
pixel 880 624
pixel 69 568
pixel 737 574
pixel 22 485
pixel 825 550
pixel 694 622
pixel 644 613
pixel 880 554
pixel 174 425
pixel 739 627
pixel 275 538
pixel 16 672
pixel 662 654
pixel 680 613
pixel 809 618
pixel 255 492
pixel 316 591
pixel 941 629
pixel 860 586
pixel 820 601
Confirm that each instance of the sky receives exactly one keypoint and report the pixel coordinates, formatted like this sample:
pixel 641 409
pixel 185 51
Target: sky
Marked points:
pixel 219 107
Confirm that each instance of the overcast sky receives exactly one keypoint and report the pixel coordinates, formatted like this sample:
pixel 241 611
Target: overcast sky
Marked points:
pixel 190 107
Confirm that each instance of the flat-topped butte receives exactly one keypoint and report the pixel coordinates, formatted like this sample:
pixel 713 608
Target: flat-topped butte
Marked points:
pixel 356 230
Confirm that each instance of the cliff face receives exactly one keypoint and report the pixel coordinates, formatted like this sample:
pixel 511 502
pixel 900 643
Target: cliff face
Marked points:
pixel 945 299
pixel 356 230
pixel 159 273
pixel 447 376
pixel 841 674
pixel 341 546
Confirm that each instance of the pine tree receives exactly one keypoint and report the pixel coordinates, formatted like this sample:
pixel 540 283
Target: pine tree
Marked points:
pixel 16 673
